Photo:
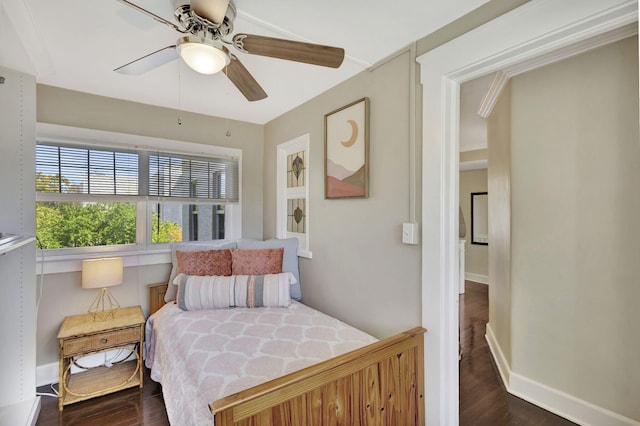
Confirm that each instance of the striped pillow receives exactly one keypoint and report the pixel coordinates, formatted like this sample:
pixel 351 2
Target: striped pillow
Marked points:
pixel 247 291
pixel 196 293
pixel 254 291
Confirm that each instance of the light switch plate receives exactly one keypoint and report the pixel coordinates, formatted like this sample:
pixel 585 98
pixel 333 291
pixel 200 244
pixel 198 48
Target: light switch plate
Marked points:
pixel 410 233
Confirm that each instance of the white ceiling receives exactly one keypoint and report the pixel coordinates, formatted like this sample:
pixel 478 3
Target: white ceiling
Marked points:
pixel 76 44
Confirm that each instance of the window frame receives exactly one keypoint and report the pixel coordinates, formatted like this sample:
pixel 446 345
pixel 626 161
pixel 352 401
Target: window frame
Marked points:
pixel 301 143
pixel 144 252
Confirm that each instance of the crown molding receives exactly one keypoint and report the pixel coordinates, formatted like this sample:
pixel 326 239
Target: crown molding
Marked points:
pixel 574 49
pixel 491 98
pixel 502 77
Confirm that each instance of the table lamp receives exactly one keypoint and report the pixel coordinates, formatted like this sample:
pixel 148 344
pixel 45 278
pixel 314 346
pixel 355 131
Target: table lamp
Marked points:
pixel 102 273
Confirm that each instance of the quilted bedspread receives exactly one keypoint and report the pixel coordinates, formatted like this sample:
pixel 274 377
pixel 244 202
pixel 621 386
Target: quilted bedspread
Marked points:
pixel 201 356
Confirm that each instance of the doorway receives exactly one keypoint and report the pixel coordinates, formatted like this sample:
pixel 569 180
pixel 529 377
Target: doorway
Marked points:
pixel 534 30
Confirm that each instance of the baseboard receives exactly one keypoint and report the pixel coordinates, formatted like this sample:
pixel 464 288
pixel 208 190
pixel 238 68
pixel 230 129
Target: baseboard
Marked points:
pixel 565 405
pixel 49 373
pixel 553 400
pixel 476 278
pixel 46 374
pixel 498 357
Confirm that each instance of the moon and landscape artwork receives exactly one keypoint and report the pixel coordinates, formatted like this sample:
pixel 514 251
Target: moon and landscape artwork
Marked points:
pixel 347 151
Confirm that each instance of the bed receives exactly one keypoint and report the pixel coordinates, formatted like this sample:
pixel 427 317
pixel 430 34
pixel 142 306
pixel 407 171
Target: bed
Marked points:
pixel 282 363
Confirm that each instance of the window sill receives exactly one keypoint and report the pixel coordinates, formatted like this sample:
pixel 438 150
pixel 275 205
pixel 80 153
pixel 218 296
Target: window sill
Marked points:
pixel 61 263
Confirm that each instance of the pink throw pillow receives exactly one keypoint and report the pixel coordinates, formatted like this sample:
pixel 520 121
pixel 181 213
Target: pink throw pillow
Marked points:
pixel 256 262
pixel 204 262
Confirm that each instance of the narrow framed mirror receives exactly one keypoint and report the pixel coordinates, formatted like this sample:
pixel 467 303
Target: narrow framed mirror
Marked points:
pixel 480 218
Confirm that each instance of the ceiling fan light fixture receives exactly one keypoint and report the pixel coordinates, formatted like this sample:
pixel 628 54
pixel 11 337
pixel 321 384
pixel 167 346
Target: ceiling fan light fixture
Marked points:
pixel 202 55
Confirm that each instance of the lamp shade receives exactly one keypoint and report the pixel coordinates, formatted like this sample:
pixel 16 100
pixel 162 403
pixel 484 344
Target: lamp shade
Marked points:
pixel 201 55
pixel 100 273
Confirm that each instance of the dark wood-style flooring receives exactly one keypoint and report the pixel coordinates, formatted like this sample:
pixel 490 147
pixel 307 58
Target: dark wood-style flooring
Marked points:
pixel 483 398
pixel 125 408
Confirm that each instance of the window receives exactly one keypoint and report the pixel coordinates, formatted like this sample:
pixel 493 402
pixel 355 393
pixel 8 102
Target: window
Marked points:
pixel 293 192
pixel 111 197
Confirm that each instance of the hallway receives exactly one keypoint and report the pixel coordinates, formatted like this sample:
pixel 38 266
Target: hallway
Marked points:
pixel 483 398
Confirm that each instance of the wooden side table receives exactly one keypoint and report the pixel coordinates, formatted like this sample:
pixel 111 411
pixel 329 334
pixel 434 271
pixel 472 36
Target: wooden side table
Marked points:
pixel 80 336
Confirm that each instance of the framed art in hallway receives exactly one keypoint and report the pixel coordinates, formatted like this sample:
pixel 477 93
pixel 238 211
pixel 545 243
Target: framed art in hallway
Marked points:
pixel 346 132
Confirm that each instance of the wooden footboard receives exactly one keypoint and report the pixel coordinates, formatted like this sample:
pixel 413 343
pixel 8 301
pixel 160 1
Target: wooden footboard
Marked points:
pixel 379 384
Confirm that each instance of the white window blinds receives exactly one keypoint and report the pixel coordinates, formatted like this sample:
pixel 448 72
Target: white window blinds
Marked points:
pixel 104 171
pixel 185 177
pixel 81 170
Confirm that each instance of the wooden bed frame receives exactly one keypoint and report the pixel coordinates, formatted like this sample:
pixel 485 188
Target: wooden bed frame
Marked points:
pixel 378 384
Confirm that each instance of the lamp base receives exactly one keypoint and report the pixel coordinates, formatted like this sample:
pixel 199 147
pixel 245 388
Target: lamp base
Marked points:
pixel 104 306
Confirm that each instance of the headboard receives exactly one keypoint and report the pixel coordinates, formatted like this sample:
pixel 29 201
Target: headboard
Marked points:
pixel 156 296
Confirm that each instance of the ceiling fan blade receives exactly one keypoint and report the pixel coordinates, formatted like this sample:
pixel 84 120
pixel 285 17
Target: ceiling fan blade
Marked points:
pixel 298 51
pixel 244 81
pixel 149 62
pixel 153 15
pixel 213 10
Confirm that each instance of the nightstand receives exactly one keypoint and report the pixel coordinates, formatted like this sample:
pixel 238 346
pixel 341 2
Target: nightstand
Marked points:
pixel 80 336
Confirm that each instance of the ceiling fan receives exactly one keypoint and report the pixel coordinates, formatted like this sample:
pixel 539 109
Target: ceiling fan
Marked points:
pixel 205 24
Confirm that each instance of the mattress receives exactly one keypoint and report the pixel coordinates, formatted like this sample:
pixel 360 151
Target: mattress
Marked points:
pixel 202 356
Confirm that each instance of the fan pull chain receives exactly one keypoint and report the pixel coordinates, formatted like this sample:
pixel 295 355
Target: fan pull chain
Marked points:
pixel 228 132
pixel 179 93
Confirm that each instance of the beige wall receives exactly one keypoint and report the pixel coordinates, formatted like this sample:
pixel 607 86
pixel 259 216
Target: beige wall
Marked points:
pixel 476 256
pixel 62 294
pixel 476 155
pixel 575 203
pixel 360 271
pixel 499 185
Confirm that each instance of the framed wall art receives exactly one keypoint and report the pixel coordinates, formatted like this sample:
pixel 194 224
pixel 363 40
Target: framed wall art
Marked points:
pixel 346 146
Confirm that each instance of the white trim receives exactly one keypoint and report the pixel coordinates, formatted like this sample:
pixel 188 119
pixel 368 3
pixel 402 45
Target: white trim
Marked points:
pixel 502 77
pixel 565 405
pixel 616 34
pixel 474 165
pixel 476 278
pixel 301 143
pixel 498 356
pixel 551 399
pixel 474 147
pixel 143 253
pixel 47 374
pixel 534 29
pixel 73 262
pixel 88 137
pixel 491 98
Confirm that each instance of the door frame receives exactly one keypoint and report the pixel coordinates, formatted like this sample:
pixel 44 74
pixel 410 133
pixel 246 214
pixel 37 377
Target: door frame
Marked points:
pixel 523 39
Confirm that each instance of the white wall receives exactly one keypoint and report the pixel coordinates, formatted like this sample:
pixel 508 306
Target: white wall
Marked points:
pixel 575 179
pixel 17 216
